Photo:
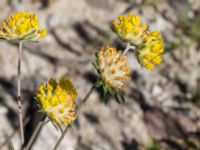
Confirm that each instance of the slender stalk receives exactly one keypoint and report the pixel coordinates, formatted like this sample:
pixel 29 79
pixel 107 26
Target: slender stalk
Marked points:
pixel 19 99
pixel 89 93
pixel 128 47
pixel 36 132
pixel 61 138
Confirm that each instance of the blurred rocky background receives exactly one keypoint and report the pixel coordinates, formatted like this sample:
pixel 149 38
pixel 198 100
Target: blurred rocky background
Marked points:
pixel 162 107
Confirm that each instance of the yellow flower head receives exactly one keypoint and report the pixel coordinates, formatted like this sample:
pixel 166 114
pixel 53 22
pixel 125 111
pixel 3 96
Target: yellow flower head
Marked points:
pixel 57 100
pixel 129 28
pixel 150 52
pixel 21 26
pixel 112 67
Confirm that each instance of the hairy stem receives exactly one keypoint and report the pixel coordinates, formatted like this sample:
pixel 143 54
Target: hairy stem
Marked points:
pixel 128 47
pixel 19 99
pixel 36 132
pixel 61 138
pixel 89 93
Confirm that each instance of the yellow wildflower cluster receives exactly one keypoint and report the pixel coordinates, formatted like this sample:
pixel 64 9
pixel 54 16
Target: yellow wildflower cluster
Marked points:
pixel 57 100
pixel 21 26
pixel 113 68
pixel 149 45
pixel 150 52
pixel 129 28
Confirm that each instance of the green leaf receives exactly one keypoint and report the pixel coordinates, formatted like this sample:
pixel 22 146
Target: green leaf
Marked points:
pixel 120 98
pixel 117 95
pixel 99 82
pixel 106 98
pixel 54 124
pixel 73 125
pixel 9 142
pixel 153 145
pixel 96 67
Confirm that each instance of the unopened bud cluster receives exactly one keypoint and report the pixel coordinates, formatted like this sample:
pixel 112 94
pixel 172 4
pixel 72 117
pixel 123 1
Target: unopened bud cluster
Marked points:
pixel 113 68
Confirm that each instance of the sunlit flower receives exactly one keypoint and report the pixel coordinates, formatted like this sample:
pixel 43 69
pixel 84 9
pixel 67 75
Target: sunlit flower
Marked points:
pixel 56 99
pixel 113 68
pixel 21 26
pixel 150 52
pixel 129 28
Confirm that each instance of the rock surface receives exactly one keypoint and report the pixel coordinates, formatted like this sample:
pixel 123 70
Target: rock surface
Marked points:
pixel 158 103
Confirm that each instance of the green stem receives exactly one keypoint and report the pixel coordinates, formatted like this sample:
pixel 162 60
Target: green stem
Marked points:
pixel 89 93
